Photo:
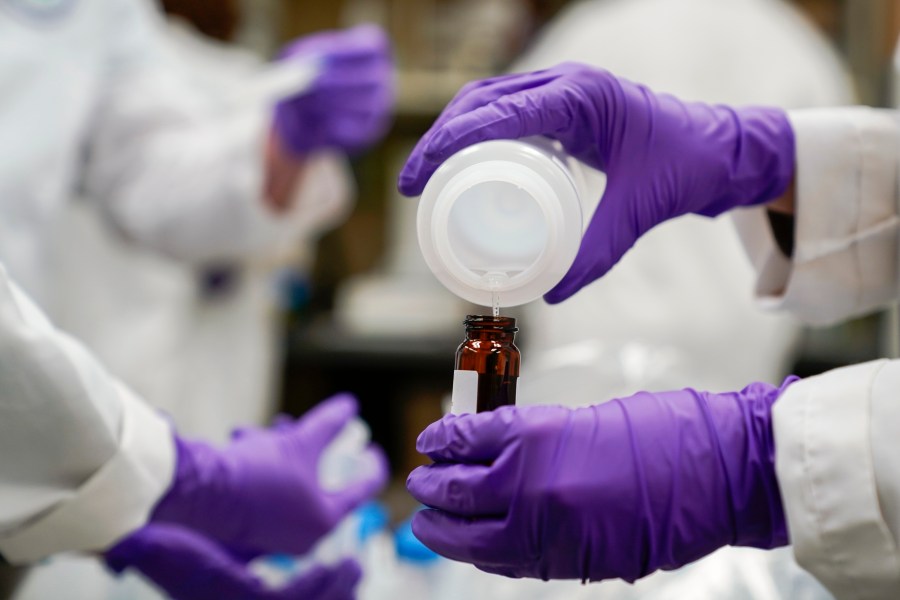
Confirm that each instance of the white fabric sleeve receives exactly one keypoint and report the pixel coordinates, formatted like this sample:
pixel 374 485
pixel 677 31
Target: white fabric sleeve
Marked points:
pixel 171 169
pixel 838 464
pixel 84 461
pixel 846 218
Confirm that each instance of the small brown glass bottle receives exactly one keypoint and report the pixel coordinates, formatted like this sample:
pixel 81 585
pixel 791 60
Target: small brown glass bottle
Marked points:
pixel 487 364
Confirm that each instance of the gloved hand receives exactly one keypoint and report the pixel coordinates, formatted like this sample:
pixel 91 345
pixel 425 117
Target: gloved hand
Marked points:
pixel 350 102
pixel 662 157
pixel 617 490
pixel 262 490
pixel 189 566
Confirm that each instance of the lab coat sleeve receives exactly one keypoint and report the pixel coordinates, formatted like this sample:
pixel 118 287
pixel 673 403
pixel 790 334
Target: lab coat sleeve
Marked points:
pixel 838 464
pixel 84 460
pixel 846 218
pixel 171 169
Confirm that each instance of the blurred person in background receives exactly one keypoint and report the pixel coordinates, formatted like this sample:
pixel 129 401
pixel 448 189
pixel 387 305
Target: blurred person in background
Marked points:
pixel 208 349
pixel 185 156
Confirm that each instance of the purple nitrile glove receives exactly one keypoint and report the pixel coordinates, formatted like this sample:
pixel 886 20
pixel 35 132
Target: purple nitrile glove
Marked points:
pixel 349 104
pixel 617 490
pixel 662 157
pixel 189 566
pixel 262 490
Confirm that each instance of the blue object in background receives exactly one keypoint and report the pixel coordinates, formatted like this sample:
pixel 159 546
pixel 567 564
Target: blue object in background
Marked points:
pixel 409 547
pixel 373 517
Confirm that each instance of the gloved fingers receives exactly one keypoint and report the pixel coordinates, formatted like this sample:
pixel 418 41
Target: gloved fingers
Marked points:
pixel 464 490
pixel 282 420
pixel 415 172
pixel 368 75
pixel 356 132
pixel 325 421
pixel 364 489
pixel 361 40
pixel 357 106
pixel 324 583
pixel 185 564
pixel 476 541
pixel 279 422
pixel 474 95
pixel 478 438
pixel 513 116
pixel 613 230
pixel 501 570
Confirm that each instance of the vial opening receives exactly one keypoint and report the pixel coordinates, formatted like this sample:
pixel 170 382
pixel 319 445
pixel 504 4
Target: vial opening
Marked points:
pixel 496 226
pixel 489 322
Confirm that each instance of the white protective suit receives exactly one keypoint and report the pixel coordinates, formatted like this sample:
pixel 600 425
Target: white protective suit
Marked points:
pixel 206 359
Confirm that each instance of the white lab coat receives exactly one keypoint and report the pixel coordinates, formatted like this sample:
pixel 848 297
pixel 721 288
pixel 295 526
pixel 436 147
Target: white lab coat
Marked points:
pixel 84 460
pixel 837 434
pixel 678 310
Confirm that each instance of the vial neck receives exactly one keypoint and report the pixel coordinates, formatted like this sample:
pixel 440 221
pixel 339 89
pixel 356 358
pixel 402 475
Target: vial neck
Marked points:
pixel 501 329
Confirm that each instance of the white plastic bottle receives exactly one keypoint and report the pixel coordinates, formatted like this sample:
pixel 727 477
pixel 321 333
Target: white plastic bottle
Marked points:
pixel 501 221
pixel 343 462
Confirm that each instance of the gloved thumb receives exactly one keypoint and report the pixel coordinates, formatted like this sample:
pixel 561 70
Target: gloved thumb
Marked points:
pixel 324 583
pixel 185 564
pixel 613 230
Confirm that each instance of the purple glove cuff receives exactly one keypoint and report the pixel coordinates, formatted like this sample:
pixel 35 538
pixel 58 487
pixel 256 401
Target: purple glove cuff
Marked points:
pixel 761 164
pixel 200 480
pixel 755 495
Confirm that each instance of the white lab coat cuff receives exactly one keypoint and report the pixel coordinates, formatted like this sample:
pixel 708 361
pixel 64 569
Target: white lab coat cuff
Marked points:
pixel 846 229
pixel 829 486
pixel 116 500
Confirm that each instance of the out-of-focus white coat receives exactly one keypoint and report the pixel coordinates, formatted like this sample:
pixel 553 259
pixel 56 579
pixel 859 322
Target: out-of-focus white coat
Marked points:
pixel 207 357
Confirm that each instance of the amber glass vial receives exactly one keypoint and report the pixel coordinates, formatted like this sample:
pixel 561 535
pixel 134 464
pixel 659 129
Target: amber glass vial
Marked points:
pixel 490 351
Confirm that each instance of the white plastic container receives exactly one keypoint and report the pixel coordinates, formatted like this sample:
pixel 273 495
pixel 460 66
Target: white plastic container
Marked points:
pixel 501 217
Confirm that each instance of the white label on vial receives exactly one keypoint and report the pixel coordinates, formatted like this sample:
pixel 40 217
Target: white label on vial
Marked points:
pixel 465 393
